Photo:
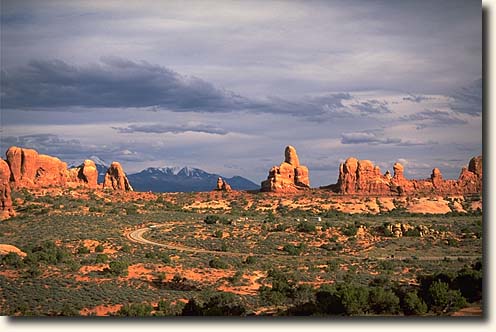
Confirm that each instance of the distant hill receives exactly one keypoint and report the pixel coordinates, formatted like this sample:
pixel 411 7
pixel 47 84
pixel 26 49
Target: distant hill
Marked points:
pixel 186 179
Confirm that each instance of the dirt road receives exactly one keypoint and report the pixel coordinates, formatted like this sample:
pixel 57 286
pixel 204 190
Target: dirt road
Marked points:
pixel 137 236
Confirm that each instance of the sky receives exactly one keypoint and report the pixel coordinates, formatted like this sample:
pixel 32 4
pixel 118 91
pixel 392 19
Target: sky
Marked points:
pixel 225 86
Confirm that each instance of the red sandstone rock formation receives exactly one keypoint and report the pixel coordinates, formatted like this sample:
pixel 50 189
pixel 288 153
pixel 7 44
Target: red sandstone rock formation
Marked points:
pixel 30 169
pixel 223 185
pixel 290 176
pixel 86 175
pixel 437 178
pixel 361 177
pixel 358 176
pixel 6 209
pixel 116 178
pixel 470 179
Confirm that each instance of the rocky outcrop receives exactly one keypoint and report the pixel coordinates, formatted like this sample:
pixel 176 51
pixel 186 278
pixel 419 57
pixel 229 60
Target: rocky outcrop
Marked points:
pixel 400 230
pixel 116 179
pixel 30 169
pixel 470 179
pixel 84 175
pixel 6 209
pixel 437 178
pixel 362 177
pixel 357 176
pixel 222 185
pixel 290 176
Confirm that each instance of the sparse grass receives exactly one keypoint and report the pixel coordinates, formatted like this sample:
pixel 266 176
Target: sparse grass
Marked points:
pixel 307 253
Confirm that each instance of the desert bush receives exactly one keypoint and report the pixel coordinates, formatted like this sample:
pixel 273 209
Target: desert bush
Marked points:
pixel 12 260
pixel 412 232
pixel 349 230
pixel 135 310
pixel 383 301
pixel 250 260
pixel 82 250
pixel 165 258
pixel 278 228
pixel 269 218
pixel 117 268
pixel 101 258
pixel 99 248
pixel 281 290
pixel 412 304
pixel 294 250
pixel 211 219
pixel 354 299
pixel 443 299
pixel 306 227
pixel 217 263
pixel 220 304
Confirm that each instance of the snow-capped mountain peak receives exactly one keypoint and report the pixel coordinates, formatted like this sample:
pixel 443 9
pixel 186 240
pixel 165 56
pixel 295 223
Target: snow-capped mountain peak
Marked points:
pixel 182 179
pixel 99 161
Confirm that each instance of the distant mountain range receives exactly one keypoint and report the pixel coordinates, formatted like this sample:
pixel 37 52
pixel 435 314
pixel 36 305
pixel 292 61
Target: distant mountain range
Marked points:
pixel 173 179
pixel 186 179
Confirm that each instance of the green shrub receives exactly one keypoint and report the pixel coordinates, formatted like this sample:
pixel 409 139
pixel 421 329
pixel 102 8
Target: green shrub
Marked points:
pixel 270 218
pixel 383 301
pixel 414 232
pixel 306 227
pixel 83 250
pixel 294 250
pixel 217 263
pixel 12 259
pixel 117 268
pixel 135 310
pixel 349 230
pixel 413 305
pixel 101 258
pixel 99 248
pixel 211 219
pixel 354 299
pixel 165 258
pixel 250 260
pixel 444 299
pixel 131 210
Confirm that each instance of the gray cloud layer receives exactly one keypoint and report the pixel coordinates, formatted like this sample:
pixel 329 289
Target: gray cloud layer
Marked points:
pixel 175 129
pixel 114 82
pixel 434 118
pixel 117 83
pixel 468 99
pixel 376 137
pixel 320 75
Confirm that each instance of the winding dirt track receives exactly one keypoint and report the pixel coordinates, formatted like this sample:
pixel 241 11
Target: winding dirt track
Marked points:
pixel 137 236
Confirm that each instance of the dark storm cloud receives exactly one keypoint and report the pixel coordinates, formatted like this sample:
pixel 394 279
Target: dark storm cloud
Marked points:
pixel 468 99
pixel 119 83
pixel 113 83
pixel 433 118
pixel 175 129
